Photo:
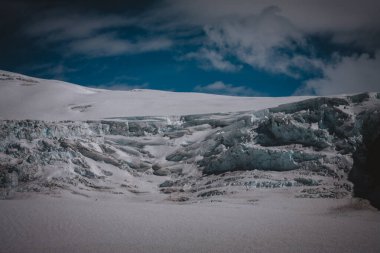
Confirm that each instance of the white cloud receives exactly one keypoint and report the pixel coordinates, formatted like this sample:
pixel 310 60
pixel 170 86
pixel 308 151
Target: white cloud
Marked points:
pixel 308 15
pixel 213 59
pixel 266 41
pixel 254 34
pixel 93 35
pixel 121 86
pixel 57 70
pixel 264 34
pixel 110 44
pixel 354 74
pixel 226 89
pixel 265 38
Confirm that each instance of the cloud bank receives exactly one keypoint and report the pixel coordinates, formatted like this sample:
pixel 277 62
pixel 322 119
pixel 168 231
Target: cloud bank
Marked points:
pixel 359 73
pixel 227 89
pixel 274 36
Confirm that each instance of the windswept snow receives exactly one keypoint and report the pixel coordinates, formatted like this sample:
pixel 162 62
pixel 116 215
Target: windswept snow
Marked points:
pixel 23 97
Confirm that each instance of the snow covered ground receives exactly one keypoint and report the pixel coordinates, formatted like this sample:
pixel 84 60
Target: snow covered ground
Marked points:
pixel 143 171
pixel 23 97
pixel 274 223
pixel 267 223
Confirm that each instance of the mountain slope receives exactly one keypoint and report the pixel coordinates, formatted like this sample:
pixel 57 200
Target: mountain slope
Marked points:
pixel 23 97
pixel 308 147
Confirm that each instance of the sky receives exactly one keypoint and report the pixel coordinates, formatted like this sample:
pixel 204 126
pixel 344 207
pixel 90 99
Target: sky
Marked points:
pixel 233 47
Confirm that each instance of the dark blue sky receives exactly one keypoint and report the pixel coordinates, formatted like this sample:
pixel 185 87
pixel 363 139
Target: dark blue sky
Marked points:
pixel 241 47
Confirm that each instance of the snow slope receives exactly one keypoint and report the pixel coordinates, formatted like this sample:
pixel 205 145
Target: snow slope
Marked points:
pixel 23 97
pixel 271 224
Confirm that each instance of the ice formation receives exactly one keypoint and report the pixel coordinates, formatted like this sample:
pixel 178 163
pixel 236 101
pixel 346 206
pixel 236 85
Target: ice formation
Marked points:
pixel 320 147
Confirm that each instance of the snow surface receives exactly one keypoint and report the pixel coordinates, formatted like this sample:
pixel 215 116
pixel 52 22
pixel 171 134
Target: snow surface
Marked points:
pixel 266 224
pixel 23 97
pixel 95 187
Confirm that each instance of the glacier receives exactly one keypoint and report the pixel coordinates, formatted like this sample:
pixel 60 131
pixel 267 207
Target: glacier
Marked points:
pixel 322 147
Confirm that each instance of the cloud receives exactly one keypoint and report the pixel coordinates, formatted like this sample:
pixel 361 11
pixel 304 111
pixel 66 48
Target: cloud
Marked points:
pixel 226 89
pixel 121 82
pixel 262 38
pixel 353 74
pixel 271 35
pixel 310 16
pixel 121 86
pixel 93 35
pixel 57 70
pixel 110 45
pixel 67 27
pixel 265 41
pixel 211 59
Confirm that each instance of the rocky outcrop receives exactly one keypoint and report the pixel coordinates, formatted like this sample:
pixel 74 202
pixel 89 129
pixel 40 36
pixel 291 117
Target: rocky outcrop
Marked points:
pixel 313 104
pixel 366 168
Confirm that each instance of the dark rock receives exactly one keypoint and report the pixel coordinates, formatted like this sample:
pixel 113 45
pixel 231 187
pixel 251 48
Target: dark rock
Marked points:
pixel 85 172
pixel 162 172
pixel 306 181
pixel 156 166
pixel 359 98
pixel 211 193
pixel 166 183
pixel 366 170
pixel 313 104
